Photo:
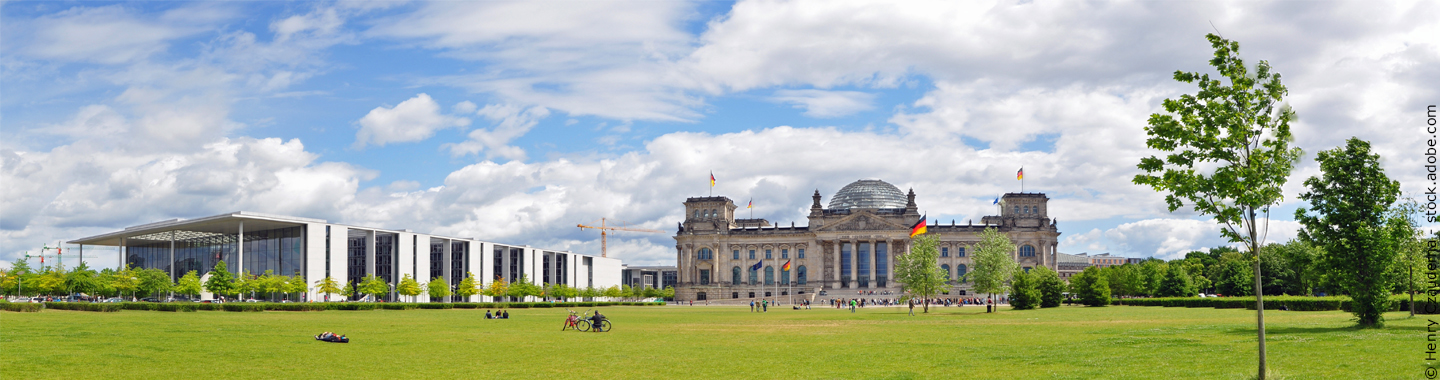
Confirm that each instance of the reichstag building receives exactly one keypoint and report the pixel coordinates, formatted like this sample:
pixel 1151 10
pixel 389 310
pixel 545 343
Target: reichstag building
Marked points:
pixel 849 246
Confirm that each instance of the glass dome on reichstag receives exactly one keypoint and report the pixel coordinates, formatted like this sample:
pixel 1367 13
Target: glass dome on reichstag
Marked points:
pixel 868 193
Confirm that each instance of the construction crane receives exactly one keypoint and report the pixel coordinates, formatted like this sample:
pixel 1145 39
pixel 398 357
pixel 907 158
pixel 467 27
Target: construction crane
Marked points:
pixel 603 231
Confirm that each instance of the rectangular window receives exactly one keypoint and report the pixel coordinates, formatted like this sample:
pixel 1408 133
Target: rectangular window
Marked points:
pixel 704 277
pixel 735 255
pixel 800 253
pixel 784 253
pixel 944 252
pixel 735 294
pixel 752 254
pixel 960 252
pixel 768 255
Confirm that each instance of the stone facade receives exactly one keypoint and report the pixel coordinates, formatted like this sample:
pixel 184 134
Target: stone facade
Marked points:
pixel 842 251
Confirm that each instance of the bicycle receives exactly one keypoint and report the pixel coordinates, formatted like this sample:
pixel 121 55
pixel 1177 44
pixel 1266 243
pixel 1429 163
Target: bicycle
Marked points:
pixel 576 321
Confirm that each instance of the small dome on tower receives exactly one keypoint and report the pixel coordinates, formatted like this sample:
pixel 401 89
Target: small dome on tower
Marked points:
pixel 868 193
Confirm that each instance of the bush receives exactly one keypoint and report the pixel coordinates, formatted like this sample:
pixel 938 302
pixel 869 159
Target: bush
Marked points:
pixel 23 307
pixel 1024 295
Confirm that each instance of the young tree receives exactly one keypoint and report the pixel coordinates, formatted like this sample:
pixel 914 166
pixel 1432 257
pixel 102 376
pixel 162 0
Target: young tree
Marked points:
pixel 523 288
pixel 408 287
pixel 298 286
pixel 438 289
pixel 498 288
pixel 1177 283
pixel 1025 293
pixel 269 284
pixel 919 272
pixel 1229 152
pixel 1052 288
pixel 326 286
pixel 352 290
pixel 51 280
pixel 993 264
pixel 375 287
pixel 1351 200
pixel 668 293
pixel 18 279
pixel 612 291
pixel 153 281
pixel 221 281
pixel 189 284
pixel 626 291
pixel 1091 286
pixel 124 280
pixel 82 280
pixel 467 287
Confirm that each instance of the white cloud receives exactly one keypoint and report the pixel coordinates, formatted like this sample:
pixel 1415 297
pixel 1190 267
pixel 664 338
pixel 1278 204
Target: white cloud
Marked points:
pixel 110 34
pixel 826 104
pixel 510 122
pixel 414 119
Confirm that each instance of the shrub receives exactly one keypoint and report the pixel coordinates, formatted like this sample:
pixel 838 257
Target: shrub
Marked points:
pixel 1024 294
pixel 23 307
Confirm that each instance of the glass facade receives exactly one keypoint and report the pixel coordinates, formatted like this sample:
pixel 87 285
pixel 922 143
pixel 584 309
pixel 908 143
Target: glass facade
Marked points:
pixel 281 251
pixel 355 249
pixel 499 267
pixel 437 259
pixel 863 264
pixel 845 265
pixel 385 260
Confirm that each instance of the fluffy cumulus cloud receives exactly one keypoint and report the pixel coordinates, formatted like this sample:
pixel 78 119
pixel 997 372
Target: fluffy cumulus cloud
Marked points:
pixel 412 120
pixel 1060 88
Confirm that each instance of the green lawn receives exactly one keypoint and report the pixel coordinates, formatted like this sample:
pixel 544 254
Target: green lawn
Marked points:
pixel 698 342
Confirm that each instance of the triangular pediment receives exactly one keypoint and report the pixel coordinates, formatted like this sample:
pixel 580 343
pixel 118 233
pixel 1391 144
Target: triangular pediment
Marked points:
pixel 861 221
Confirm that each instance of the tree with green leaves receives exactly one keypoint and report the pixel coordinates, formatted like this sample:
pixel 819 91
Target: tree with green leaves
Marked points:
pixel 124 280
pixel 1411 260
pixel 918 272
pixel 374 287
pixel 1176 283
pixel 153 281
pixel 1025 291
pixel 189 284
pixel 1352 221
pixel 82 280
pixel 408 287
pixel 352 290
pixel 612 292
pixel 1233 275
pixel 221 282
pixel 668 293
pixel 1052 288
pixel 523 288
pixel 1229 152
pixel 468 287
pixel 327 286
pixel 438 289
pixel 994 265
pixel 298 286
pixel 18 278
pixel 1091 286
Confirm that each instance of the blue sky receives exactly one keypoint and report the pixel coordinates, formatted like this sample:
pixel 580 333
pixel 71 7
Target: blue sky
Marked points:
pixel 512 121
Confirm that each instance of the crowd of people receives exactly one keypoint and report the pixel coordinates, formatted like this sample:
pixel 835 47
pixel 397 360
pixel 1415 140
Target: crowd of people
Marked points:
pixel 501 314
pixel 841 303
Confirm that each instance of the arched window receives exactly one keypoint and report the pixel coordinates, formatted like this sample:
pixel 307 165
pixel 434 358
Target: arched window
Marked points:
pixel 754 276
pixel 714 214
pixel 769 275
pixel 800 275
pixel 705 254
pixel 960 271
pixel 697 214
pixel 946 268
pixel 1017 209
pixel 735 276
pixel 1027 250
pixel 784 277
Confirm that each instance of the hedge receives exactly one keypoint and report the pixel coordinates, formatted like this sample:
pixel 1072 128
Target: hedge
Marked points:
pixel 1292 303
pixel 23 307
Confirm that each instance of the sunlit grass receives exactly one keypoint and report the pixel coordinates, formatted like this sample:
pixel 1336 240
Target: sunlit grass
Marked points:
pixel 693 342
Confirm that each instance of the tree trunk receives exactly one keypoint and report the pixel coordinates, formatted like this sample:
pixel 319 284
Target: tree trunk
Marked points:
pixel 1259 299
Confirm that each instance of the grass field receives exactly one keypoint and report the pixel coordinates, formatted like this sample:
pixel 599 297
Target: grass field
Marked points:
pixel 708 342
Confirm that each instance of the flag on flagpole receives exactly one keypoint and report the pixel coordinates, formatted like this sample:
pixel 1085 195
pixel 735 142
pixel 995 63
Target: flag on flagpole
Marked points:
pixel 712 179
pixel 751 204
pixel 757 265
pixel 1020 174
pixel 997 200
pixel 785 268
pixel 918 228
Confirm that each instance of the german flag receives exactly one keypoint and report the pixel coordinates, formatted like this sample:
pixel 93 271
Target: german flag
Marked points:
pixel 786 267
pixel 918 228
pixel 712 179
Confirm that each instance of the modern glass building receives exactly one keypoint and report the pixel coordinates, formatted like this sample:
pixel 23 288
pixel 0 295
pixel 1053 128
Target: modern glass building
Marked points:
pixel 314 248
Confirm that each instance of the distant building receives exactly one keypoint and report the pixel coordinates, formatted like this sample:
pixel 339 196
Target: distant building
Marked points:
pixel 1104 260
pixel 640 277
pixel 847 248
pixel 1070 265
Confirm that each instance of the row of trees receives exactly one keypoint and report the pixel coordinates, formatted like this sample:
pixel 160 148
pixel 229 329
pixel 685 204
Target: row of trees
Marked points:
pixel 22 280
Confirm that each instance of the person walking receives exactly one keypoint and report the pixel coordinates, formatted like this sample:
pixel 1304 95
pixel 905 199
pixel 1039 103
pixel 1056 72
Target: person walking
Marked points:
pixel 752 306
pixel 912 307
pixel 852 306
pixel 765 306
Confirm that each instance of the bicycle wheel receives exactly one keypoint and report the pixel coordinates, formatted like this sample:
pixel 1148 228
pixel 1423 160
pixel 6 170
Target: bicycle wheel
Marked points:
pixel 582 325
pixel 605 325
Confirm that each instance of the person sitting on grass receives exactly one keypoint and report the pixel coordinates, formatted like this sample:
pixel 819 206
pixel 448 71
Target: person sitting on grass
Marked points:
pixel 504 314
pixel 487 314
